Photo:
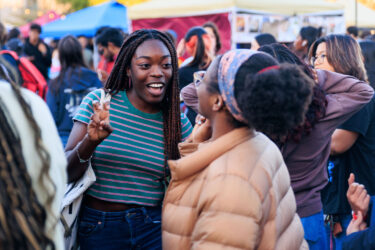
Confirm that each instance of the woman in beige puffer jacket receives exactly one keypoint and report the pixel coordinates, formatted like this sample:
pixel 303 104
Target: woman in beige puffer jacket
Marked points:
pixel 233 190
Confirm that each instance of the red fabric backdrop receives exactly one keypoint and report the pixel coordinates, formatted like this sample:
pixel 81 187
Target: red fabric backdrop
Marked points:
pixel 182 24
pixel 46 18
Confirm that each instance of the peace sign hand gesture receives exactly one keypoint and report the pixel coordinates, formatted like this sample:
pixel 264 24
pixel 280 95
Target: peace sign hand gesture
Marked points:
pixel 99 127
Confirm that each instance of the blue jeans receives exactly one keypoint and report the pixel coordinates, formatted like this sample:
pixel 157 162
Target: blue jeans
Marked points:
pixel 337 241
pixel 314 231
pixel 136 228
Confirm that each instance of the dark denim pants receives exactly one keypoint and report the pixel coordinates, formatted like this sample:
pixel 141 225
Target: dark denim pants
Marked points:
pixel 136 228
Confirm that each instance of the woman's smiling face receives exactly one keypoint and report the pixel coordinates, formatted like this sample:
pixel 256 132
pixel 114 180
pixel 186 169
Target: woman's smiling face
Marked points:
pixel 150 72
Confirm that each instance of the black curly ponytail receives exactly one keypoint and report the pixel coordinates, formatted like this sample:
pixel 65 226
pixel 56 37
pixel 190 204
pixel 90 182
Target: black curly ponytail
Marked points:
pixel 275 101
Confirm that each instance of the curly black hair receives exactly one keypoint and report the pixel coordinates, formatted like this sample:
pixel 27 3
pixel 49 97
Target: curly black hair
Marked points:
pixel 318 105
pixel 275 101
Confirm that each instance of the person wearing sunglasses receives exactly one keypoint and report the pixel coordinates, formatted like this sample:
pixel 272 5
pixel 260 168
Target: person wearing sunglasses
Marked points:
pixel 109 44
pixel 231 189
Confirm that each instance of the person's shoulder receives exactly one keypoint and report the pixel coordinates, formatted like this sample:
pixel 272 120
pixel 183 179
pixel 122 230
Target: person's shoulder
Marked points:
pixel 95 95
pixel 183 118
pixel 328 77
pixel 32 99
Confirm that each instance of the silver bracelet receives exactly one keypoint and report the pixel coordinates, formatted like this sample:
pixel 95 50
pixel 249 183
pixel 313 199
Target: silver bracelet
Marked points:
pixel 79 157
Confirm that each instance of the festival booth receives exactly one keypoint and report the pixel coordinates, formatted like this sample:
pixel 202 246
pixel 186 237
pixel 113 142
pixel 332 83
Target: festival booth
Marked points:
pixel 87 21
pixel 238 20
pixel 44 19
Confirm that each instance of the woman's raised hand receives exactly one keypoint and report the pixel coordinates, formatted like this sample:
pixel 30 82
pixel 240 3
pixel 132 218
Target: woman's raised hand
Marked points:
pixel 202 130
pixel 99 127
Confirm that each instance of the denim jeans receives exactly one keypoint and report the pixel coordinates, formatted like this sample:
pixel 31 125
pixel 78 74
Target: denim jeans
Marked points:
pixel 337 241
pixel 136 228
pixel 315 234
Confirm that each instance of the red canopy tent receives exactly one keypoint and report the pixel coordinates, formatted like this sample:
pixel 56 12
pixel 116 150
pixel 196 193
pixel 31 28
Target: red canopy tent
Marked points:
pixel 182 24
pixel 46 18
pixel 180 15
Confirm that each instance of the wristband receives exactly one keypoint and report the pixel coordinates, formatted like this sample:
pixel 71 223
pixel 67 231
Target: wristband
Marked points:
pixel 354 215
pixel 82 160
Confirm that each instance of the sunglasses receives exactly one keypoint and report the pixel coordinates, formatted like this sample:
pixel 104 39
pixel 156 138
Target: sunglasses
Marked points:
pixel 198 77
pixel 101 51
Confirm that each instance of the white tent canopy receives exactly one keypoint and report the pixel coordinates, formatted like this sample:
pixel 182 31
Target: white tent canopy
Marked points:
pixel 174 8
pixel 365 15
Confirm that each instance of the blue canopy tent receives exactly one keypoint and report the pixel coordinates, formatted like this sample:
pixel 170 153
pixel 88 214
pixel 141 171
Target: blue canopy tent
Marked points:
pixel 87 21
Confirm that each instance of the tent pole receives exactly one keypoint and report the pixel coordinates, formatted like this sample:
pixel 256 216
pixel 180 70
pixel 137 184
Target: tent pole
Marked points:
pixel 233 27
pixel 356 12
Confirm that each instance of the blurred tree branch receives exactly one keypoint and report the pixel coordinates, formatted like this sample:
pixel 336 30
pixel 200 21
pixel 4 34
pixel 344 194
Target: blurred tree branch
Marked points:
pixel 76 4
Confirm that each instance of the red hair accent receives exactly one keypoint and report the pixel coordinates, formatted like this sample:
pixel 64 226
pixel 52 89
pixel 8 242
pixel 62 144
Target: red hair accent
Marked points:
pixel 192 42
pixel 268 68
pixel 194 39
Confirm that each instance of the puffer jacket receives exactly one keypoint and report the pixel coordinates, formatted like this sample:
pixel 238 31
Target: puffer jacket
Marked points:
pixel 232 193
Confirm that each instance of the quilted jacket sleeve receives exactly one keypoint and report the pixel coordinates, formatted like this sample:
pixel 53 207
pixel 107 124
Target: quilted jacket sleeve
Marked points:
pixel 229 215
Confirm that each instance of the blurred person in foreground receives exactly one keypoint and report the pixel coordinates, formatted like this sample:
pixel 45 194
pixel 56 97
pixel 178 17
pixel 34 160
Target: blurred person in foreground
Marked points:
pixel 231 188
pixel 37 51
pixel 33 170
pixel 109 44
pixel 67 90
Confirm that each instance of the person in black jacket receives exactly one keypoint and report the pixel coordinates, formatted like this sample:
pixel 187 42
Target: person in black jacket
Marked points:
pixel 37 51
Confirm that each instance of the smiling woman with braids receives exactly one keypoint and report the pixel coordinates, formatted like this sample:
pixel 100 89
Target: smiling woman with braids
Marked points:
pixel 129 143
pixel 32 170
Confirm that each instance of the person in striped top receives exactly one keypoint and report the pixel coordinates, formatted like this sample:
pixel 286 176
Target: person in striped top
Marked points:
pixel 129 141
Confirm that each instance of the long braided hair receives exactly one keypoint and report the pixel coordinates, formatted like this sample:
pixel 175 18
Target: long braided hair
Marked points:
pixel 119 80
pixel 22 217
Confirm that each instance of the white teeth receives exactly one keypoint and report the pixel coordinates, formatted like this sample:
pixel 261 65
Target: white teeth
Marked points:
pixel 156 85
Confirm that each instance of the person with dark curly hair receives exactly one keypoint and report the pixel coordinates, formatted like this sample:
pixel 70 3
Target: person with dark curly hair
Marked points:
pixel 306 149
pixel 232 189
pixel 317 107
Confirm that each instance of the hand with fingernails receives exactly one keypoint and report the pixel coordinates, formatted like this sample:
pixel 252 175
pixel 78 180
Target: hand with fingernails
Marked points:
pixel 202 130
pixel 357 196
pixel 356 224
pixel 359 201
pixel 99 127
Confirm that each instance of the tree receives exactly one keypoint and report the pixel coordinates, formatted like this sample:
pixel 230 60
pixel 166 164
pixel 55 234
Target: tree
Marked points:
pixel 76 4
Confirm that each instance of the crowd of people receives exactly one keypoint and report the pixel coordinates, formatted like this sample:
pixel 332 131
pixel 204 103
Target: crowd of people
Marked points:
pixel 268 146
